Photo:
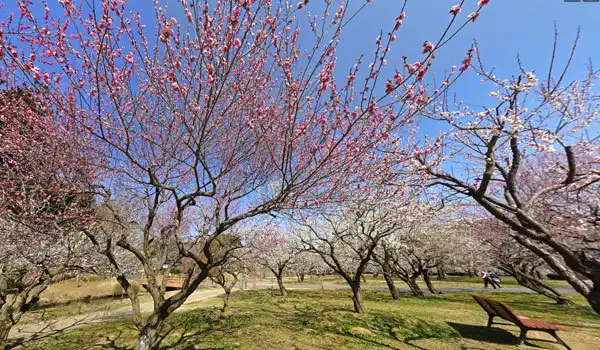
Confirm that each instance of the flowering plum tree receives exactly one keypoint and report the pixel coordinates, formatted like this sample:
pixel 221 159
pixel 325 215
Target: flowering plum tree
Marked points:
pixel 226 275
pixel 45 203
pixel 394 263
pixel 437 237
pixel 531 162
pixel 346 237
pixel 513 258
pixel 306 264
pixel 213 117
pixel 275 249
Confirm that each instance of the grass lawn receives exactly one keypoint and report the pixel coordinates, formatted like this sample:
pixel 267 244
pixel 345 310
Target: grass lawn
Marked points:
pixel 323 320
pixel 449 282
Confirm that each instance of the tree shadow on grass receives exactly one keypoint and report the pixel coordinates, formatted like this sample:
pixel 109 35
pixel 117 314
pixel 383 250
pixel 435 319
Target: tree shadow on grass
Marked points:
pixel 193 329
pixel 111 343
pixel 486 334
pixel 47 331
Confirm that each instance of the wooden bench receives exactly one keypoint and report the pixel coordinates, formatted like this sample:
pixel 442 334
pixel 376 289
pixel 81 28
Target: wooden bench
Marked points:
pixel 498 309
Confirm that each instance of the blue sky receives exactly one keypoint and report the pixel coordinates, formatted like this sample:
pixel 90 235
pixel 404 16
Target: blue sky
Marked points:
pixel 505 28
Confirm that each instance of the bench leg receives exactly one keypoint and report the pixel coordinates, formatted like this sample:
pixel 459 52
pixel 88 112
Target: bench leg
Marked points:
pixel 523 336
pixel 490 320
pixel 559 340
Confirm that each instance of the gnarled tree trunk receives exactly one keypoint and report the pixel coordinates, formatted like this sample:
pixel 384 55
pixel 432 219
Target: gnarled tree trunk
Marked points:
pixel 389 280
pixel 225 308
pixel 279 276
pixel 428 283
pixel 594 297
pixel 5 328
pixel 13 306
pixel 530 281
pixel 411 282
pixel 568 272
pixel 357 297
pixel 441 272
pixel 148 335
pixel 282 289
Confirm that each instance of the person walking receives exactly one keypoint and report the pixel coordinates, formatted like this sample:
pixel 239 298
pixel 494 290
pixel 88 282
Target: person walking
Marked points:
pixel 495 279
pixel 486 279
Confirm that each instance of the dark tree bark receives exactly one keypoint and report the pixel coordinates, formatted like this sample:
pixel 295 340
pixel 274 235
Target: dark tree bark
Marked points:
pixel 389 280
pixel 279 276
pixel 528 279
pixel 427 279
pixel 13 306
pixel 594 297
pixel 411 282
pixel 441 272
pixel 282 289
pixel 225 308
pixel 227 278
pixel 357 297
pixel 531 230
pixel 4 330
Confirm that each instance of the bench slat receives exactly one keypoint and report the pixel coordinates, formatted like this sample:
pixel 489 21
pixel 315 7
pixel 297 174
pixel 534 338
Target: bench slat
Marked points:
pixel 503 311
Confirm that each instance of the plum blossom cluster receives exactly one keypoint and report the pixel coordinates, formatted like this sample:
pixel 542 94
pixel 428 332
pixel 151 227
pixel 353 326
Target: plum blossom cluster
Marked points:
pixel 531 151
pixel 211 118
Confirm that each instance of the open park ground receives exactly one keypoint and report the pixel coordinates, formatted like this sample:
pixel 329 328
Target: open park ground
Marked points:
pixel 317 314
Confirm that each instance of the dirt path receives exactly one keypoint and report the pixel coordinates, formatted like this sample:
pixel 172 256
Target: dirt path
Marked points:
pixel 59 325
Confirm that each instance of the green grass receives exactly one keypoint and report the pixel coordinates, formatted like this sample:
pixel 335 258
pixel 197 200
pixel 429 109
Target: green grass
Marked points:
pixel 449 282
pixel 323 320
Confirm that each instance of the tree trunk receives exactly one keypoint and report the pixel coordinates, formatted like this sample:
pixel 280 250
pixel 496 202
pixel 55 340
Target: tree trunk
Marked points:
pixel 225 309
pixel 441 272
pixel 5 328
pixel 411 282
pixel 357 297
pixel 470 272
pixel 559 268
pixel 300 276
pixel 428 283
pixel 391 285
pixel 282 289
pixel 13 307
pixel 594 298
pixel 148 336
pixel 537 285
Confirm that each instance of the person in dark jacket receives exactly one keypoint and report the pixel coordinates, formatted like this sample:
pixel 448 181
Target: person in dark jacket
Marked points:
pixel 495 279
pixel 487 279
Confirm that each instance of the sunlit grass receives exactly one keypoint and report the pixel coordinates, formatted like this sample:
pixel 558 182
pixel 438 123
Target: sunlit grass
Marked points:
pixel 323 320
